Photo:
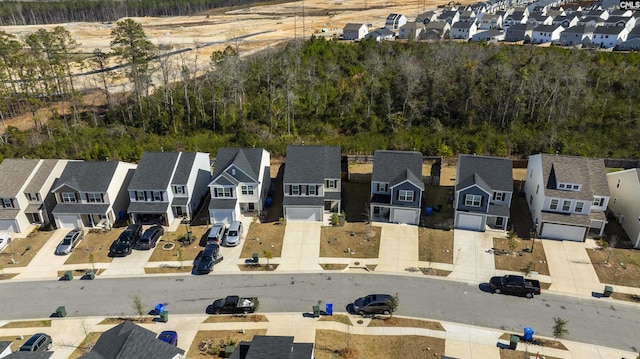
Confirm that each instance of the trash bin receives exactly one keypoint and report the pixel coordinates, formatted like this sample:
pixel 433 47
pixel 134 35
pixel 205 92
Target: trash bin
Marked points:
pixel 528 334
pixel 513 342
pixel 91 274
pixel 329 309
pixel 429 211
pixel 255 257
pixel 164 316
pixel 268 201
pixel 159 308
pixel 61 312
pixel 316 311
pixel 608 290
pixel 68 275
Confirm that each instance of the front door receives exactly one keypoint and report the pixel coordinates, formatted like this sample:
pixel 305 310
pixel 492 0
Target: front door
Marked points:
pixel 499 222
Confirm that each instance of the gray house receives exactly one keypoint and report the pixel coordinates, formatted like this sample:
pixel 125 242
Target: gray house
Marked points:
pixel 484 188
pixel 396 187
pixel 354 31
pixel 519 32
pixel 270 346
pixel 312 182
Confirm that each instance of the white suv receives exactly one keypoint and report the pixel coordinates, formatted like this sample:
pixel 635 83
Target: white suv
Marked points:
pixel 216 233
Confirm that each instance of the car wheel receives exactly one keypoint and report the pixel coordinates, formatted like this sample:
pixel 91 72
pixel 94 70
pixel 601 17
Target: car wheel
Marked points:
pixel 49 346
pixel 529 295
pixel 360 312
pixel 386 312
pixel 497 291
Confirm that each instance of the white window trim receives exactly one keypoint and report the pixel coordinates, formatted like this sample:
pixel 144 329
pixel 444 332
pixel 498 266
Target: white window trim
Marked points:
pixel 405 195
pixel 331 183
pixel 157 196
pixel 312 190
pixel 68 197
pixel 471 199
pixel 94 197
pixel 140 196
pixel 295 190
pixel 247 190
pixel 551 205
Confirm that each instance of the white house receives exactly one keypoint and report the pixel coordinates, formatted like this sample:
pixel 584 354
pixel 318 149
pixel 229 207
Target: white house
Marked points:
pixel 490 22
pixel 354 31
pixel 567 196
pixel 489 36
pixel 395 21
pixel 381 35
pixel 624 187
pixel 546 33
pixel 609 37
pixel 463 30
pixel 411 30
pixel 577 36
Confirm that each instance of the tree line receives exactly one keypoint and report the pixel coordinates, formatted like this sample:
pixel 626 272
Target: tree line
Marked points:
pixel 440 98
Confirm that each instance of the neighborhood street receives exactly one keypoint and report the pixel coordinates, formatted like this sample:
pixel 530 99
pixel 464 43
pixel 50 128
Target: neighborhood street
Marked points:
pixel 593 321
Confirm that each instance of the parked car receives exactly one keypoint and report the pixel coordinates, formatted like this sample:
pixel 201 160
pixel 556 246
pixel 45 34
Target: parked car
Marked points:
pixel 37 343
pixel 216 233
pixel 373 304
pixel 210 256
pixel 234 304
pixel 234 233
pixel 515 284
pixel 5 239
pixel 150 237
pixel 123 245
pixel 169 336
pixel 70 241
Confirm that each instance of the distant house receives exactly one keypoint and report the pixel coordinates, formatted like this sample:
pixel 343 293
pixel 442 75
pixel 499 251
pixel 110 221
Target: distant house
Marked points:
pixel 567 196
pixel 5 348
pixel 437 31
pixel 538 19
pixel 609 37
pixel 128 340
pixel 490 22
pixel 488 36
pixel 545 34
pixel 269 346
pixel 354 31
pixel 411 30
pixel 483 192
pixel 519 32
pixel 450 17
pixel 468 16
pixel 579 35
pixel 463 30
pixel 381 35
pixel 513 19
pixel 312 182
pixel 628 22
pixel 603 14
pixel 629 45
pixel 592 21
pixel 427 17
pixel 395 21
pixel 91 194
pixel 635 33
pixel 396 187
pixel 565 21
pixel 624 187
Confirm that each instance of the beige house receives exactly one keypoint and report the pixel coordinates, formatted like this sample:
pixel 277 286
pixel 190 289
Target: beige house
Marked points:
pixel 624 187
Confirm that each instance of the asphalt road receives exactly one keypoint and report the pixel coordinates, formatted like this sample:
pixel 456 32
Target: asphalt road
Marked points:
pixel 596 321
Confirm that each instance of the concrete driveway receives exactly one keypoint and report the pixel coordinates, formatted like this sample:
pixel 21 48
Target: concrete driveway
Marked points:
pixel 301 247
pixel 570 268
pixel 45 264
pixel 133 264
pixel 471 262
pixel 398 247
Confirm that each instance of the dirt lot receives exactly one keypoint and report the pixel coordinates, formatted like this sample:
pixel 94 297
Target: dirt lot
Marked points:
pixel 521 260
pixel 362 239
pixel 435 245
pixel 96 244
pixel 189 252
pixel 623 268
pixel 211 341
pixel 22 250
pixel 263 237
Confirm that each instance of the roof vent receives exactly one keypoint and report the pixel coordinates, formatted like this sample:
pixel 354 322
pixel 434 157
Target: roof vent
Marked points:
pixel 233 171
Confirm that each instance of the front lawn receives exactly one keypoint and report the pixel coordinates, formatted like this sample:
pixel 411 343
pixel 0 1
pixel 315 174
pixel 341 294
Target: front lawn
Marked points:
pixel 521 260
pixel 435 245
pixel 167 247
pixel 362 239
pixel 623 267
pixel 208 343
pixel 22 250
pixel 264 237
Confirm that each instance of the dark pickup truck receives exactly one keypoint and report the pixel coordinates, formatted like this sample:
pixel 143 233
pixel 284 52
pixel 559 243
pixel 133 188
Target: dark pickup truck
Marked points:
pixel 515 284
pixel 234 304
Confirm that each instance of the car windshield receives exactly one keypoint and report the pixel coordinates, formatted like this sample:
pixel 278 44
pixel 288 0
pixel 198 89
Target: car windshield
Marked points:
pixel 366 300
pixel 67 240
pixel 232 233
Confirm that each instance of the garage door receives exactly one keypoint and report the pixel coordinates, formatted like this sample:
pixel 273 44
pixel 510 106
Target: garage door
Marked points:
pixel 304 214
pixel 218 216
pixel 564 232
pixel 68 221
pixel 405 216
pixel 8 225
pixel 470 222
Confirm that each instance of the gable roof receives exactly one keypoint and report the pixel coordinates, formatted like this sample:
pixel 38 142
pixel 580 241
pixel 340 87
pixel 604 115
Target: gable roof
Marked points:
pixel 462 25
pixel 270 346
pixel 547 28
pixel 185 163
pixel 154 171
pixel 609 30
pixel 394 167
pixel 489 173
pixel 247 160
pixel 580 29
pixel 127 340
pixel 14 172
pixel 30 355
pixel 589 172
pixel 312 164
pixel 41 175
pixel 354 27
pixel 87 176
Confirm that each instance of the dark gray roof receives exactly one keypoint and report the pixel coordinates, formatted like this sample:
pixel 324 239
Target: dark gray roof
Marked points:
pixel 580 29
pixel 566 218
pixel 80 208
pixel 148 207
pixel 4 345
pixel 520 27
pixel 154 171
pixel 615 19
pixel 218 203
pixel 185 164
pixel 462 25
pixel 128 341
pixel 271 347
pixel 313 201
pixel 311 164
pixel 245 159
pixel 14 173
pixel 609 30
pixel 9 213
pixel 332 195
pixel 394 167
pixel 489 173
pixel 41 176
pixel 436 25
pixel 352 26
pixel 546 28
pixel 88 176
pixel 588 172
pixel 29 355
pixel 180 201
pixel 499 210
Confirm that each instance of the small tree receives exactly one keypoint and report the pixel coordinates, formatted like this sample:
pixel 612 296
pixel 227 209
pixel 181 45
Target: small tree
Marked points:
pixel 514 243
pixel 137 304
pixel 268 254
pixel 393 303
pixel 92 260
pixel 180 255
pixel 559 328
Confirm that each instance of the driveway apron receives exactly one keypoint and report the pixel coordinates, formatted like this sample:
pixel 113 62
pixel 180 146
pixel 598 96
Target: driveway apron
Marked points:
pixel 301 247
pixel 45 263
pixel 570 268
pixel 398 248
pixel 133 264
pixel 471 262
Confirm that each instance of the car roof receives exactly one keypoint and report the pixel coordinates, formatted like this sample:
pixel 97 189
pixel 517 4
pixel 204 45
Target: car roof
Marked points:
pixel 211 248
pixel 33 339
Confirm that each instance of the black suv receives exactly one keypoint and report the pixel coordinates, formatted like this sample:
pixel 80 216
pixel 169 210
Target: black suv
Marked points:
pixel 150 238
pixel 125 242
pixel 373 304
pixel 210 256
pixel 37 343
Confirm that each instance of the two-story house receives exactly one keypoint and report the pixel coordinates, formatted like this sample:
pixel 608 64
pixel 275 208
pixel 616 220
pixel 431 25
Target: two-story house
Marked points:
pixel 167 186
pixel 312 182
pixel 92 194
pixel 241 183
pixel 483 192
pixel 396 187
pixel 624 187
pixel 567 196
pixel 25 196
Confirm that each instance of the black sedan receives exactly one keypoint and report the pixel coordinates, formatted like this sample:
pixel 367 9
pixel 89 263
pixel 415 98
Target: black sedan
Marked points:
pixel 210 256
pixel 150 237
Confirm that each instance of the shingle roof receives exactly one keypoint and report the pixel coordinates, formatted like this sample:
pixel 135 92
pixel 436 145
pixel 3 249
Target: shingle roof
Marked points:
pixel 226 203
pixel 609 30
pixel 148 207
pixel 41 176
pixel 80 208
pixel 546 28
pixel 154 171
pixel 88 176
pixel 185 163
pixel 14 173
pixel 580 29
pixel 588 172
pixel 311 164
pixel 128 341
pixel 270 347
pixel 489 173
pixel 245 159
pixel 396 166
pixel 353 27
pixel 462 25
pixel 29 355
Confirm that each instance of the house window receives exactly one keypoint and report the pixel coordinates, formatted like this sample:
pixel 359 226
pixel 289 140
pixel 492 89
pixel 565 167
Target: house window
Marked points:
pixel 33 196
pixel 472 200
pixel 68 197
pixel 157 196
pixel 383 187
pixel 178 189
pixel 579 207
pixel 566 205
pixel 6 203
pixel 376 211
pixel 94 197
pixel 140 196
pixel 576 187
pixel 405 195
pixel 598 201
pixel 331 183
pixel 561 185
pixel 223 192
pixel 312 190
pixel 295 190
pixel 554 204
pixel 247 190
pixel 498 196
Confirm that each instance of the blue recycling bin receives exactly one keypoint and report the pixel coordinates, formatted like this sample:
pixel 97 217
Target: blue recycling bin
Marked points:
pixel 528 334
pixel 328 309
pixel 159 309
pixel 267 202
pixel 429 211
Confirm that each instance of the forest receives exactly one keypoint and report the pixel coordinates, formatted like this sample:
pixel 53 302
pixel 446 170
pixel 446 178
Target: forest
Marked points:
pixel 440 98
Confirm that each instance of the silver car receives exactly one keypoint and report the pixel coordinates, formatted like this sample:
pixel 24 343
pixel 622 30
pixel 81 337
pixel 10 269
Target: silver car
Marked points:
pixel 234 233
pixel 70 241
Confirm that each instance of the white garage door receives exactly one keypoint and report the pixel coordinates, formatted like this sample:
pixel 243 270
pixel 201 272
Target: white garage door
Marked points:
pixel 564 232
pixel 8 225
pixel 304 214
pixel 405 216
pixel 219 216
pixel 470 222
pixel 68 221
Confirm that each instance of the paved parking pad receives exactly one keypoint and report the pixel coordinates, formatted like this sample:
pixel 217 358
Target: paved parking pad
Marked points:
pixel 301 247
pixel 45 263
pixel 398 247
pixel 471 262
pixel 571 268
